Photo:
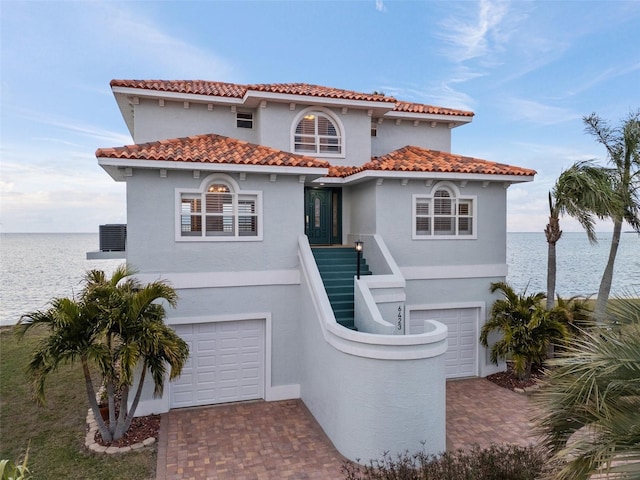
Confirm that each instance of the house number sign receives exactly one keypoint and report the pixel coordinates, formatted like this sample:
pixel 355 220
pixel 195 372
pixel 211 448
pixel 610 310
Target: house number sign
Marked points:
pixel 399 318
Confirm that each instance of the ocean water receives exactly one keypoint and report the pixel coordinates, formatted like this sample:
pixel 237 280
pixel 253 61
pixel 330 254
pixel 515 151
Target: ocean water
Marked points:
pixel 579 264
pixel 37 267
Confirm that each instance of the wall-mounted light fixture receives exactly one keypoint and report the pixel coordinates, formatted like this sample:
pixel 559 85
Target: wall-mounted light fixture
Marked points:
pixel 359 246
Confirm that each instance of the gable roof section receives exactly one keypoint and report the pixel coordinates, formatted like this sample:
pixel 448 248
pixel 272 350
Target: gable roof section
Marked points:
pixel 211 149
pixel 416 159
pixel 238 91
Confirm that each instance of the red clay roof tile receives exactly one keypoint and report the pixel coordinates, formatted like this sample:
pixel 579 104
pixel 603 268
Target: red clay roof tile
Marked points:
pixel 211 148
pixel 416 159
pixel 431 109
pixel 232 90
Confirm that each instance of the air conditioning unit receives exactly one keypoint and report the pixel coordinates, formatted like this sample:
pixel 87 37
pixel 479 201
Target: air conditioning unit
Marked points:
pixel 113 238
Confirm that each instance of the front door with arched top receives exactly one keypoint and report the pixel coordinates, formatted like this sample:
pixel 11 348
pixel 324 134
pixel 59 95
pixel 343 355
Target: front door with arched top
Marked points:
pixel 323 217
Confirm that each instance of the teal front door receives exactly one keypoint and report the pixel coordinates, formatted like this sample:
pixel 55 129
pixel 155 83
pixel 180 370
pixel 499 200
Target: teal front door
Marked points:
pixel 323 216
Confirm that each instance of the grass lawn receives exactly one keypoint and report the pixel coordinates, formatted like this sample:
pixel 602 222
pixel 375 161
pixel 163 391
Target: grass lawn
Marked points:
pixel 56 431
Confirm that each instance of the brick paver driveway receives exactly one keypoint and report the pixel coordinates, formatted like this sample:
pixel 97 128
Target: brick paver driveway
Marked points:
pixel 282 440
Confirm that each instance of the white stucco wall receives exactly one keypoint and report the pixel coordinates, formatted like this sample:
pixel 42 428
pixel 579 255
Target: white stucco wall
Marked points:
pixel 272 125
pixel 372 397
pixel 361 208
pixel 392 137
pixel 154 122
pixel 151 215
pixel 394 222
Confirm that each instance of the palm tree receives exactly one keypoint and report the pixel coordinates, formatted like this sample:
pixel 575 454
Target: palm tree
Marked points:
pixel 575 312
pixel 72 336
pixel 584 192
pixel 132 319
pixel 117 324
pixel 591 401
pixel 623 151
pixel 553 234
pixel 527 328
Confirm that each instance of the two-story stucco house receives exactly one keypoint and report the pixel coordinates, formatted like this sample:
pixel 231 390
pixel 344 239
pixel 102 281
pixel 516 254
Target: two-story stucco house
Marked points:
pixel 240 195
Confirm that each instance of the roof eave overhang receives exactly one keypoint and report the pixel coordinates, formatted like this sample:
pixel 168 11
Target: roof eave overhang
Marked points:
pixel 377 108
pixel 117 168
pixel 250 99
pixel 185 97
pixel 453 120
pixel 384 174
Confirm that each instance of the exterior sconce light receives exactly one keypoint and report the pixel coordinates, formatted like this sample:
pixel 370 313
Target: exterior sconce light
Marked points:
pixel 359 246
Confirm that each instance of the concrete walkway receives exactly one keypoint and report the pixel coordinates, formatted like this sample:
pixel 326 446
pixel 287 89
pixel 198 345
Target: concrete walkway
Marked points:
pixel 281 440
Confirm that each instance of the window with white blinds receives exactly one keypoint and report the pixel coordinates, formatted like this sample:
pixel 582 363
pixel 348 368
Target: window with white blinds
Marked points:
pixel 317 133
pixel 219 212
pixel 445 213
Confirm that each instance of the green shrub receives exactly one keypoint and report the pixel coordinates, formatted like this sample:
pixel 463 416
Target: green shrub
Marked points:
pixel 498 462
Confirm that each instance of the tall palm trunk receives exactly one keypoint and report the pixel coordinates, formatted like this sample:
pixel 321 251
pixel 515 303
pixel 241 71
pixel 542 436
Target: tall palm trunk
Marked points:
pixel 553 234
pixel 91 395
pixel 607 277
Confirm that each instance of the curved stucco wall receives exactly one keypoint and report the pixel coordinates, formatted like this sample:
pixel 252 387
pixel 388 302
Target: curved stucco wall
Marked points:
pixel 371 393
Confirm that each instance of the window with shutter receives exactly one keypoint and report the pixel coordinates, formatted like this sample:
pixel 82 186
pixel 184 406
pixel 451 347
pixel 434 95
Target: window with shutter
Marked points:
pixel 317 133
pixel 219 212
pixel 444 214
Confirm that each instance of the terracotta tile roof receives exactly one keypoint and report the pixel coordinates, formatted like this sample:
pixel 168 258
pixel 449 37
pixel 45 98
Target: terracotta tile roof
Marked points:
pixel 197 87
pixel 421 108
pixel 211 148
pixel 416 159
pixel 232 90
pixel 318 91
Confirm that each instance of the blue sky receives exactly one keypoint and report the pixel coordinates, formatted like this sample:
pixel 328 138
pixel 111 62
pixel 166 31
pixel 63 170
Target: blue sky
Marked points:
pixel 529 70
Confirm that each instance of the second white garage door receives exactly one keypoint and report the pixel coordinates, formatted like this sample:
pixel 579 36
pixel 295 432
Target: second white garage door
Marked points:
pixel 226 363
pixel 462 353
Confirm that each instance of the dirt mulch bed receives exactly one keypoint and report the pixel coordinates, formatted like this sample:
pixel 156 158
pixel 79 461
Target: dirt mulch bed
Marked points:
pixel 510 381
pixel 141 428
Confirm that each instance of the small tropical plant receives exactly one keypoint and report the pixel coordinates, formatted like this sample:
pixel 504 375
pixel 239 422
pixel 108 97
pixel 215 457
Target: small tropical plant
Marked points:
pixel 117 325
pixel 575 312
pixel 527 329
pixel 10 470
pixel 590 402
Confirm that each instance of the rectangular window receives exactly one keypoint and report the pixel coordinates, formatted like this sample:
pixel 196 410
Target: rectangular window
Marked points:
pixel 423 219
pixel 190 218
pixel 465 218
pixel 374 128
pixel 244 120
pixel 221 215
pixel 247 217
pixel 443 215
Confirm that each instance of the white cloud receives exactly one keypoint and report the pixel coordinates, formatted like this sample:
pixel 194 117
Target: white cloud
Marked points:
pixel 380 6
pixel 474 33
pixel 605 76
pixel 537 112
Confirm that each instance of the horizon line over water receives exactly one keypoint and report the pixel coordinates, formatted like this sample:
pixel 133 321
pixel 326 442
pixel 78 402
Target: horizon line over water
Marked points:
pixel 580 264
pixel 36 267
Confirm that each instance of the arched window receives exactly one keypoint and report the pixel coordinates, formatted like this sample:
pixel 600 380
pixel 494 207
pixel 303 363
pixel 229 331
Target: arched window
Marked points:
pixel 444 213
pixel 316 132
pixel 220 209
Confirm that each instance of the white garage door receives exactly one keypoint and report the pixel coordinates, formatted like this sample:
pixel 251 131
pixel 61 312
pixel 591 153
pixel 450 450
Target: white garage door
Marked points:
pixel 226 363
pixel 462 353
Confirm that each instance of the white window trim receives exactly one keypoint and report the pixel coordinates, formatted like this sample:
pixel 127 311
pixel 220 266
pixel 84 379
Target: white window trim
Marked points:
pixel 252 120
pixel 430 196
pixel 335 119
pixel 217 177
